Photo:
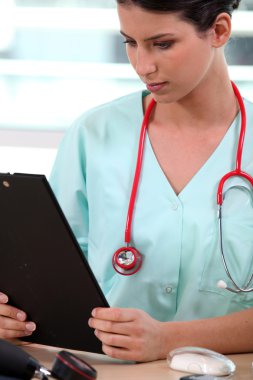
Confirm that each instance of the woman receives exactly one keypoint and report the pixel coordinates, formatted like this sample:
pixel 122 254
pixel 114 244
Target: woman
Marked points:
pixel 172 300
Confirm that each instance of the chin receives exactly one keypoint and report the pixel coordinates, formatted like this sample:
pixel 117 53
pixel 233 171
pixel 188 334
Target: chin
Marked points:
pixel 165 99
pixel 172 96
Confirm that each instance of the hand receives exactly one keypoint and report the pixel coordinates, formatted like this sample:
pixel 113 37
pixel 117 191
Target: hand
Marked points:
pixel 128 334
pixel 13 322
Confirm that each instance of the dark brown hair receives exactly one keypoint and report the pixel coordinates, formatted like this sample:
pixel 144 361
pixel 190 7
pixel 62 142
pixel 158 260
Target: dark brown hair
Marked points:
pixel 201 13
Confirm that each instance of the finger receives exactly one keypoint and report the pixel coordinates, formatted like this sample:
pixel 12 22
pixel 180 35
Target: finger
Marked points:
pixel 3 298
pixel 12 312
pixel 11 324
pixel 114 340
pixel 109 326
pixel 114 314
pixel 12 334
pixel 120 353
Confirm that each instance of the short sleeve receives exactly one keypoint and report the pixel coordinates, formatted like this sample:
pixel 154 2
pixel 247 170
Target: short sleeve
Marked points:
pixel 68 182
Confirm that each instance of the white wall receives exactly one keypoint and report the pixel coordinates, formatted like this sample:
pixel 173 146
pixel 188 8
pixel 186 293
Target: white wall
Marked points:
pixel 28 151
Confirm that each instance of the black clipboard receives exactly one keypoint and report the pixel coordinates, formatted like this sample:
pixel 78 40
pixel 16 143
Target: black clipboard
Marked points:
pixel 42 267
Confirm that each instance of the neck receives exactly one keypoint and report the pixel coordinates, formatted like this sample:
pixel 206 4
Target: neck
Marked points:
pixel 211 104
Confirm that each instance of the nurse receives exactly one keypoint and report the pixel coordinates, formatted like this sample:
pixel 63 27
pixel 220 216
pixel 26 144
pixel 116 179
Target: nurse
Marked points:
pixel 172 299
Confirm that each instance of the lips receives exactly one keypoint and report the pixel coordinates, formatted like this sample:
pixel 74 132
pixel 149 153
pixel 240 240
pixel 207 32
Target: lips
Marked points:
pixel 154 87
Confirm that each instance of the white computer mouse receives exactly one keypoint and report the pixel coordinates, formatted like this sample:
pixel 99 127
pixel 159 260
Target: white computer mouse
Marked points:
pixel 200 361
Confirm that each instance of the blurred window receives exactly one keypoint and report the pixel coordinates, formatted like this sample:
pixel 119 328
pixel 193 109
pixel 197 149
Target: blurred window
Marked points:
pixel 60 57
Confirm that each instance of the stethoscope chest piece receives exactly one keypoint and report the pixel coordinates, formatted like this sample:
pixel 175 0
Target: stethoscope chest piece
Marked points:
pixel 127 260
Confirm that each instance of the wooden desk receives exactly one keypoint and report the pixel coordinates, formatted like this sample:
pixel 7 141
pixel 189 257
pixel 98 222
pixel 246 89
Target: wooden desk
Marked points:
pixel 109 369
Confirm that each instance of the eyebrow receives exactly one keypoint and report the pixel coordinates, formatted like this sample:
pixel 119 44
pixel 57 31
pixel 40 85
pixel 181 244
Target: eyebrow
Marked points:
pixel 152 37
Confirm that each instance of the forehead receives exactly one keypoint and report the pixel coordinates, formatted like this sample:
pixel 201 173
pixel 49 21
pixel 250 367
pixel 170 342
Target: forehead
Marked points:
pixel 142 22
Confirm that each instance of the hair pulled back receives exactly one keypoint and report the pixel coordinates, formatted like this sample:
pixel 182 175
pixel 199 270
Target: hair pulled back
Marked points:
pixel 201 13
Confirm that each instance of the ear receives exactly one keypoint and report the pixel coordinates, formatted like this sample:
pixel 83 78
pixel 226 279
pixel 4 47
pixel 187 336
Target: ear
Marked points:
pixel 221 30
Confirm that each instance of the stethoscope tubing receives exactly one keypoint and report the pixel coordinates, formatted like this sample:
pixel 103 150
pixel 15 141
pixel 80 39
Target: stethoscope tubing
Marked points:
pixel 134 266
pixel 137 172
pixel 238 289
pixel 237 172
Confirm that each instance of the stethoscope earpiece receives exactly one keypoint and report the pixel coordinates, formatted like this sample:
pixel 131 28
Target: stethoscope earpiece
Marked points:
pixel 127 260
pixel 221 284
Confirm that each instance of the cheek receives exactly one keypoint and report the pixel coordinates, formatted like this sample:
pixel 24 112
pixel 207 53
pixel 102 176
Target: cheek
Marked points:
pixel 191 61
pixel 131 55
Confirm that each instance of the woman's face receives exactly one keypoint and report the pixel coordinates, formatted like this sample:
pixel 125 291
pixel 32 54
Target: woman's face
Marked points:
pixel 168 54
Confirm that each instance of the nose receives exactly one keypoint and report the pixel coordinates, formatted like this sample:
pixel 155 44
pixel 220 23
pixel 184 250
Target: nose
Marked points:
pixel 144 63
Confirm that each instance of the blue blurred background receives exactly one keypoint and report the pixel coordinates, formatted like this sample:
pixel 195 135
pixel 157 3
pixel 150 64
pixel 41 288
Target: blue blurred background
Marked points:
pixel 61 57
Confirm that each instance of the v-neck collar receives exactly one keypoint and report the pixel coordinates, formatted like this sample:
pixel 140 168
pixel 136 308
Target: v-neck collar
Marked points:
pixel 200 175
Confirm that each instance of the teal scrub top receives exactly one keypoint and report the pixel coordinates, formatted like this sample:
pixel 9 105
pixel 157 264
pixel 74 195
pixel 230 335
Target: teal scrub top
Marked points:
pixel 176 234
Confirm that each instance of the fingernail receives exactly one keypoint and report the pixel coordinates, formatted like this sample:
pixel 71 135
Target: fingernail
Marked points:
pixel 21 315
pixel 3 298
pixel 93 313
pixel 30 326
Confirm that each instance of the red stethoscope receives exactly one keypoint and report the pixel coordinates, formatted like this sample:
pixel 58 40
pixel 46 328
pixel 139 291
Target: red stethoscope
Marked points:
pixel 127 260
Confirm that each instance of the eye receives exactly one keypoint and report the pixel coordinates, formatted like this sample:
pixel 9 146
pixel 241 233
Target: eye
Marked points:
pixel 129 42
pixel 164 45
